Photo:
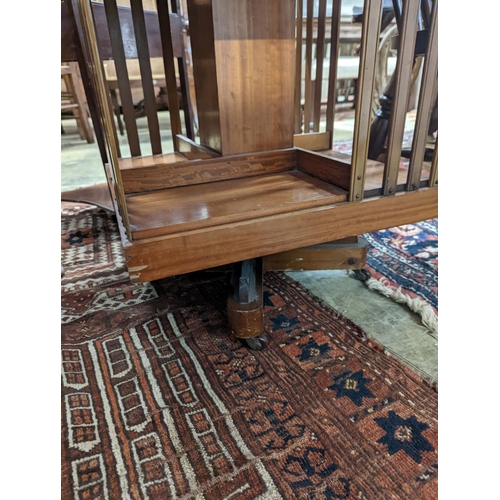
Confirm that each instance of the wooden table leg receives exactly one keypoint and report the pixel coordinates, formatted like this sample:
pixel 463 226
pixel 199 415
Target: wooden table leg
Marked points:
pixel 116 109
pixel 244 303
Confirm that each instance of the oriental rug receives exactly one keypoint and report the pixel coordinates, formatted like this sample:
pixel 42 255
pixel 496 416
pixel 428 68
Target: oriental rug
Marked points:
pixel 403 262
pixel 159 401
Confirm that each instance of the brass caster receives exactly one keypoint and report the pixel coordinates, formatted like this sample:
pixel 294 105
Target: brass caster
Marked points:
pixel 255 343
pixel 362 275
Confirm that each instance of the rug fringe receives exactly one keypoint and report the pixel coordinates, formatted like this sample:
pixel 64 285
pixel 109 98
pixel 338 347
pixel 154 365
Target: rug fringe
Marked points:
pixel 417 305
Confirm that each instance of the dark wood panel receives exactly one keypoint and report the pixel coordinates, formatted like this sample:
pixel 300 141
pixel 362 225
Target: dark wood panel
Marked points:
pixel 158 176
pixel 324 167
pixel 157 258
pixel 68 52
pixel 334 255
pixel 127 29
pixel 192 207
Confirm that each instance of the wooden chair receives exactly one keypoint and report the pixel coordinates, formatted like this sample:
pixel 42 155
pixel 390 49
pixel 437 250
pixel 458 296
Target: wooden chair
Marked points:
pixel 73 98
pixel 247 194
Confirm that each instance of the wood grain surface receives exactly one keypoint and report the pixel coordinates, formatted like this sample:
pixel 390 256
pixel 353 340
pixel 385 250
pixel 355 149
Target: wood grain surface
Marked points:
pixel 192 207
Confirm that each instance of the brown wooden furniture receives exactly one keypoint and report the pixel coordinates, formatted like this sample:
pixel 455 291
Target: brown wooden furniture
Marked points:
pixel 246 192
pixel 73 99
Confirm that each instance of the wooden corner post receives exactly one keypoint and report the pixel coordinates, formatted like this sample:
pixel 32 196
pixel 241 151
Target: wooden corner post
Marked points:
pixel 243 65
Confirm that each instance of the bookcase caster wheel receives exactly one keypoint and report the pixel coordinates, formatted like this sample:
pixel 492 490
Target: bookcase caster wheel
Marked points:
pixel 362 274
pixel 255 343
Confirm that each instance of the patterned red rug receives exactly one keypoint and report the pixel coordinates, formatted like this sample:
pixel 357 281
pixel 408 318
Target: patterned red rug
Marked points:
pixel 403 262
pixel 160 402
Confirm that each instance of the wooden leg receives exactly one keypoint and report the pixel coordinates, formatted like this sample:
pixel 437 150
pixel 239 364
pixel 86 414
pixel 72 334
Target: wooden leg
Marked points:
pixel 116 108
pixel 244 303
pixel 83 118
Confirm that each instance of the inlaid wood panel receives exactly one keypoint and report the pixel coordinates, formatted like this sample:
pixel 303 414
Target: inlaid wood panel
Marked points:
pixel 156 258
pixel 193 207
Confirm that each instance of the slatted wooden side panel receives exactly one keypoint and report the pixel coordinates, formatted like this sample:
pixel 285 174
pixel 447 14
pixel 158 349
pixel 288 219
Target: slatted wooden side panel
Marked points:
pixel 96 71
pixel 115 34
pixel 404 68
pixel 317 42
pixel 427 98
pixel 308 88
pixel 332 77
pixel 320 55
pixel 169 67
pixel 372 14
pixel 141 38
pixel 298 68
pixel 135 33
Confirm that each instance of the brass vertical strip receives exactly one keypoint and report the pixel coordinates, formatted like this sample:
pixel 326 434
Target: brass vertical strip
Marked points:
pixel 320 55
pixel 426 101
pixel 308 75
pixel 187 106
pixel 104 101
pixel 115 35
pixel 298 69
pixel 334 61
pixel 169 67
pixel 403 72
pixel 372 15
pixel 433 178
pixel 141 40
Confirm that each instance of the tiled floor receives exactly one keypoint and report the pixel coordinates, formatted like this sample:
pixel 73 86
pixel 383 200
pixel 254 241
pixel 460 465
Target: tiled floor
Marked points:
pixel 392 325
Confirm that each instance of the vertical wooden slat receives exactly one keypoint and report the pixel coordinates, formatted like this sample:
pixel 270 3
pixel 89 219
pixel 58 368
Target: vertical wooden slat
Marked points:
pixel 141 39
pixel 115 35
pixel 298 69
pixel 320 55
pixel 433 178
pixel 308 75
pixel 103 100
pixel 332 77
pixel 426 100
pixel 372 14
pixel 169 67
pixel 403 71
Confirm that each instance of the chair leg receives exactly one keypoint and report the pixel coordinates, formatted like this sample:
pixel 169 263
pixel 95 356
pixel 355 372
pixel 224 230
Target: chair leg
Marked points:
pixel 116 109
pixel 74 86
pixel 244 303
